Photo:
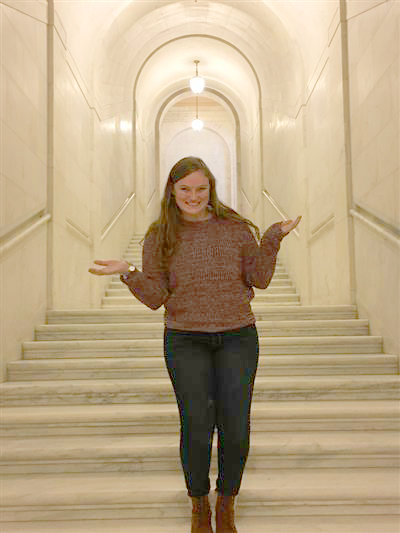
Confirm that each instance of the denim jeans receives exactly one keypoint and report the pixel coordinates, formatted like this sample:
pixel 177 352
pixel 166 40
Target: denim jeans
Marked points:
pixel 213 377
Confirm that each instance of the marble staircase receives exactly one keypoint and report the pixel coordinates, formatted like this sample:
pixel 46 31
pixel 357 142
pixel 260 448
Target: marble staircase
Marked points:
pixel 90 427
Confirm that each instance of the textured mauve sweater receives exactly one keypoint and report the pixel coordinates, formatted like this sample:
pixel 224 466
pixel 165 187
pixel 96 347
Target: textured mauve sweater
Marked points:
pixel 208 286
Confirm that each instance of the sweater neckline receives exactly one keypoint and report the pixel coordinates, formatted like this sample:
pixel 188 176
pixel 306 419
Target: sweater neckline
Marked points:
pixel 195 222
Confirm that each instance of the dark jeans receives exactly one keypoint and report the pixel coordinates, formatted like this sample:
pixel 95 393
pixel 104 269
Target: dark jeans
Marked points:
pixel 213 376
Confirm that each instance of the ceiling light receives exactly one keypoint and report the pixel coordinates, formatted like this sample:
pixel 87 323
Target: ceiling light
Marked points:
pixel 197 83
pixel 197 124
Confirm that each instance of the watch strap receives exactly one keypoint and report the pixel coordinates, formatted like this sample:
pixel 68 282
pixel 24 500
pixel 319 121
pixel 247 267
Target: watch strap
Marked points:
pixel 125 275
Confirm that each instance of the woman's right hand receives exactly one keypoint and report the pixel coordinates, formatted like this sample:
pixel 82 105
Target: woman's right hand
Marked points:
pixel 112 266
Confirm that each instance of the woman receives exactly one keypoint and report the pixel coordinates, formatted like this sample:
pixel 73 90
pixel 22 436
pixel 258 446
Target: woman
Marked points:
pixel 201 260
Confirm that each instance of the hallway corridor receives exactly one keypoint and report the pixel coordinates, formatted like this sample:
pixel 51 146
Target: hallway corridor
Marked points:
pixel 300 115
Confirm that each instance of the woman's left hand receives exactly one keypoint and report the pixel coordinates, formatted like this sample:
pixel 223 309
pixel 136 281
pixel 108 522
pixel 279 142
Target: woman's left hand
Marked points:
pixel 288 225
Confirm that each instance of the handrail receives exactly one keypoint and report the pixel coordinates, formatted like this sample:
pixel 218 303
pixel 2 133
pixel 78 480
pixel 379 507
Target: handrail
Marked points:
pixel 245 196
pixel 151 198
pixel 78 231
pixel 282 214
pixel 107 228
pixel 319 228
pixel 383 228
pixel 19 233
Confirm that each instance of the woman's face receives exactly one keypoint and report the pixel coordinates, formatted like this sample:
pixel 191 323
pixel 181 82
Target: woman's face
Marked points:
pixel 192 194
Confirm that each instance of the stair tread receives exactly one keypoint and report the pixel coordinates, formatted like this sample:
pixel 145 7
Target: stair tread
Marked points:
pixel 260 323
pixel 249 524
pixel 280 328
pixel 270 409
pixel 291 485
pixel 283 444
pixel 273 312
pixel 154 383
pixel 157 342
pixel 157 361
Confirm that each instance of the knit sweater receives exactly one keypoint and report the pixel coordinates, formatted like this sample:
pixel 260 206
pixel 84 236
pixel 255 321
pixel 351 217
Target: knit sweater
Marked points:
pixel 208 286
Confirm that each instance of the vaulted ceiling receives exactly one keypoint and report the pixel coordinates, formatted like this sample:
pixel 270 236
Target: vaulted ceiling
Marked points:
pixel 248 50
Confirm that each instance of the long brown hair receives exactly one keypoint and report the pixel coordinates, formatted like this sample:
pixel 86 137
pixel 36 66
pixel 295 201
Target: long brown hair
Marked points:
pixel 170 219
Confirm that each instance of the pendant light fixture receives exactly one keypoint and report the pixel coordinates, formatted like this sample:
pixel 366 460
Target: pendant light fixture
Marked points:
pixel 197 124
pixel 197 83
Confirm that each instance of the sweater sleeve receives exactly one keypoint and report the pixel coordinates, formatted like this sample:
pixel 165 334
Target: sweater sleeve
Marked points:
pixel 151 285
pixel 258 262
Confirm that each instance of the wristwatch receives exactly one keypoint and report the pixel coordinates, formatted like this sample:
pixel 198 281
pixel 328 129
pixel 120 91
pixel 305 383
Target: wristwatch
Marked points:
pixel 125 275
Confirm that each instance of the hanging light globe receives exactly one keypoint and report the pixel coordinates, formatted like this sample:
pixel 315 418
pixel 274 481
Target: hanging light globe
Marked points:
pixel 197 124
pixel 197 84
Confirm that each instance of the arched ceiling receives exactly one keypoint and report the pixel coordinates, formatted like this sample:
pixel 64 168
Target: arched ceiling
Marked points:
pixel 265 46
pixel 216 116
pixel 170 67
pixel 113 42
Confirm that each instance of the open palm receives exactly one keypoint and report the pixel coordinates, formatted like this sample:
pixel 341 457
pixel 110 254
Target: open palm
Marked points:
pixel 112 266
pixel 288 225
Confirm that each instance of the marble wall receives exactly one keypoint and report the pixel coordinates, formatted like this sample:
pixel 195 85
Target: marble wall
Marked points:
pixel 326 183
pixel 338 258
pixel 77 173
pixel 92 174
pixel 305 172
pixel 72 159
pixel 23 177
pixel 148 198
pixel 374 55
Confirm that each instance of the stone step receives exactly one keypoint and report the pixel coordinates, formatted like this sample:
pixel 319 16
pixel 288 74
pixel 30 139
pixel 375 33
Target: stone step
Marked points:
pixel 143 314
pixel 282 299
pixel 273 328
pixel 154 367
pixel 123 495
pixel 154 347
pixel 159 390
pixel 307 415
pixel 145 453
pixel 249 524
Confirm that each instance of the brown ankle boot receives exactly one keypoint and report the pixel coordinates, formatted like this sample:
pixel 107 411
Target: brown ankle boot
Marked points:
pixel 225 515
pixel 201 515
